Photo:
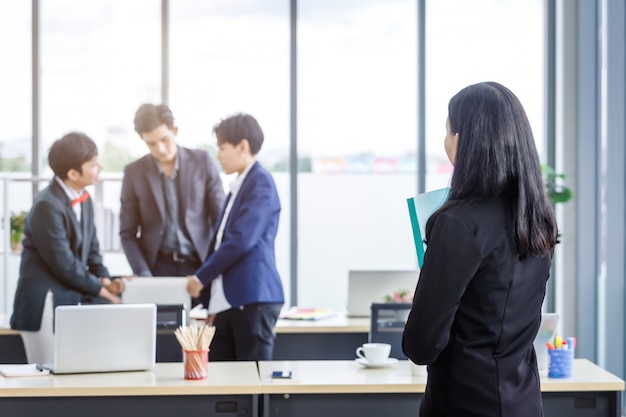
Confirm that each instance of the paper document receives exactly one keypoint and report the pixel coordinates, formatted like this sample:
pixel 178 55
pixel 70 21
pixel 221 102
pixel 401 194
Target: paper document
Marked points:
pixel 299 313
pixel 198 313
pixel 420 208
pixel 31 369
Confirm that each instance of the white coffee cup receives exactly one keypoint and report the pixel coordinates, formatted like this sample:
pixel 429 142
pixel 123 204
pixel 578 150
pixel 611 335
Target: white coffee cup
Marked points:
pixel 417 370
pixel 374 352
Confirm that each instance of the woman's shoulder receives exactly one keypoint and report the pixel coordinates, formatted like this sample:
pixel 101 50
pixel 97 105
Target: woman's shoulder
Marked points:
pixel 488 222
pixel 476 214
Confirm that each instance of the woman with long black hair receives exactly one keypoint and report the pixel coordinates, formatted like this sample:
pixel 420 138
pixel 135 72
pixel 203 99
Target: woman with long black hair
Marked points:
pixel 477 305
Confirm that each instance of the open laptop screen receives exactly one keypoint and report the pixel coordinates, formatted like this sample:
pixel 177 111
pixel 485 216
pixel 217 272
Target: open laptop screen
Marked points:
pixel 367 287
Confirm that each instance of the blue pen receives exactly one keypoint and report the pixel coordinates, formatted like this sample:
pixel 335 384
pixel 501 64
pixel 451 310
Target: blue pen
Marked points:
pixel 571 343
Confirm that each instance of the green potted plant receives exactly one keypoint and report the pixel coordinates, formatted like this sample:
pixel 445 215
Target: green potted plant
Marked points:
pixel 557 192
pixel 17 229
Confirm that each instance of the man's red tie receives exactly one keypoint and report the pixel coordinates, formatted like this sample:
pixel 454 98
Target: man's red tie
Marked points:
pixel 81 199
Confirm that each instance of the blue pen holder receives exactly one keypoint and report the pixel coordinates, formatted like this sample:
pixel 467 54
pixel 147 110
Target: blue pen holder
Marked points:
pixel 561 363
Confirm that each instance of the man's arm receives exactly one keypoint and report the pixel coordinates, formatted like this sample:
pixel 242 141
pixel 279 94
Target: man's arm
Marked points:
pixel 129 226
pixel 214 195
pixel 111 289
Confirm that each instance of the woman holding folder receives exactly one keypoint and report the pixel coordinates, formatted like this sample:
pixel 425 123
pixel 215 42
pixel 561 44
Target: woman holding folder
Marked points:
pixel 477 306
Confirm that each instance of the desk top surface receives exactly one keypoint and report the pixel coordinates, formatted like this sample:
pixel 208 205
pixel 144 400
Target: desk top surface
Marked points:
pixel 229 378
pixel 8 331
pixel 335 324
pixel 339 376
pixel 242 378
pixel 586 376
pixel 350 377
pixel 5 327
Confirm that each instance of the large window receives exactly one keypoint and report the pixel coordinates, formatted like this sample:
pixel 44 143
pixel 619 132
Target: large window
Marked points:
pixel 473 41
pixel 356 93
pixel 16 131
pixel 232 57
pixel 15 86
pixel 357 126
pixel 99 60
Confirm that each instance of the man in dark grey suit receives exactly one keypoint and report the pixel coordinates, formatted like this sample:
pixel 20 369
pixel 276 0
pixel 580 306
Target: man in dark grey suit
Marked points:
pixel 60 248
pixel 170 200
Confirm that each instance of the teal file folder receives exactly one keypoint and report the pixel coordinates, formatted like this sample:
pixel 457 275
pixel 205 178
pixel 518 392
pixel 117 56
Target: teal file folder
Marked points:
pixel 420 208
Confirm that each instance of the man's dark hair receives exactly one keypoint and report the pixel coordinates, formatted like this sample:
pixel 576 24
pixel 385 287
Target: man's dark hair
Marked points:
pixel 71 152
pixel 238 127
pixel 150 116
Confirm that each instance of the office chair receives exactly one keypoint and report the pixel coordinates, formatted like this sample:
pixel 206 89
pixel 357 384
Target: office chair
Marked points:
pixel 39 345
pixel 387 325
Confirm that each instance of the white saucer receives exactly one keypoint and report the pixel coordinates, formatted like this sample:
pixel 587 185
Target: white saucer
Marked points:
pixel 367 364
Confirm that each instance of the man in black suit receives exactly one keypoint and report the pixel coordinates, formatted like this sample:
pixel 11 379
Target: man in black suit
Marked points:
pixel 61 252
pixel 170 200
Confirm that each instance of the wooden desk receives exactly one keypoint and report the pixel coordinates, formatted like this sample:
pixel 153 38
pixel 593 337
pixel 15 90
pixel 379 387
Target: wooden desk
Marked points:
pixel 331 338
pixel 8 332
pixel 232 389
pixel 346 388
pixel 318 388
pixel 336 324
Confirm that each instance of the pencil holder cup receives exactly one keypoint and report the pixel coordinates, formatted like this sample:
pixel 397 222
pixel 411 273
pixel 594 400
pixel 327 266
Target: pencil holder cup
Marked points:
pixel 196 363
pixel 561 362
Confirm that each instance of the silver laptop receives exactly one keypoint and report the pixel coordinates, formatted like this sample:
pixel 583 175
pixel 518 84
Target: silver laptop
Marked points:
pixel 157 290
pixel 546 332
pixel 104 338
pixel 367 287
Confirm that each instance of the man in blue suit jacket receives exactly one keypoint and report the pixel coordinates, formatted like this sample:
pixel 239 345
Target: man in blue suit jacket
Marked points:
pixel 246 290
pixel 61 252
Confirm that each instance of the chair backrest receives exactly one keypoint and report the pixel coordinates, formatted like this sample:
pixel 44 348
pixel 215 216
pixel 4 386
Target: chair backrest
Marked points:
pixel 39 345
pixel 168 293
pixel 387 325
